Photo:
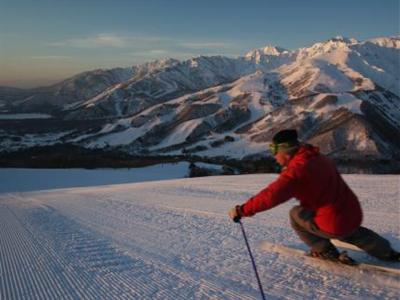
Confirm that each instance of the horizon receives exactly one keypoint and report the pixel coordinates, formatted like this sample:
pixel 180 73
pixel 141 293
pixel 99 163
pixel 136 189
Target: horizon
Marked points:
pixel 52 42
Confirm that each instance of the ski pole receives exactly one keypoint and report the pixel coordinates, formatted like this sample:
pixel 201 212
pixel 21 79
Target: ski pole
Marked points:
pixel 237 220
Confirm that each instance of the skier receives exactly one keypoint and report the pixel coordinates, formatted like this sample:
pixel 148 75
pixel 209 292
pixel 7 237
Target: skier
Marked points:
pixel 328 207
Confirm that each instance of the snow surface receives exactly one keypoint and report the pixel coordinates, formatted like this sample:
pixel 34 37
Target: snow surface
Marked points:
pixel 180 133
pixel 344 100
pixel 24 116
pixel 124 137
pixel 209 166
pixel 21 180
pixel 173 240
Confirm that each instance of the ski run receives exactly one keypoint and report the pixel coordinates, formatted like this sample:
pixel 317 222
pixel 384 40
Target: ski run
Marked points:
pixel 172 239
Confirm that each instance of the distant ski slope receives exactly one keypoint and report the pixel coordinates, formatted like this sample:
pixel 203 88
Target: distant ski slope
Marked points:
pixel 173 240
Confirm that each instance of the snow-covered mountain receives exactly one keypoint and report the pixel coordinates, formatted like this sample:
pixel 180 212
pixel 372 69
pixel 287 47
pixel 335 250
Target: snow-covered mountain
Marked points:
pixel 170 79
pixel 341 94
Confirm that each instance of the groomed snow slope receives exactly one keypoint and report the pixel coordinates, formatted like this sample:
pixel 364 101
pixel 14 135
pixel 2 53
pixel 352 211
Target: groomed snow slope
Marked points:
pixel 173 240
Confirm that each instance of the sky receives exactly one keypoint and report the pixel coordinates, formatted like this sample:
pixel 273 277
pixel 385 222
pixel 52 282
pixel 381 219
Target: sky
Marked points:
pixel 44 41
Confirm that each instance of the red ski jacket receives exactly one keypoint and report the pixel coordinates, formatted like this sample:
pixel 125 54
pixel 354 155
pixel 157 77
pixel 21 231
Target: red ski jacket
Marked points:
pixel 313 179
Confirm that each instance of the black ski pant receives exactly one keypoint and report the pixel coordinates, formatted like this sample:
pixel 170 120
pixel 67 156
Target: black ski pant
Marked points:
pixel 302 221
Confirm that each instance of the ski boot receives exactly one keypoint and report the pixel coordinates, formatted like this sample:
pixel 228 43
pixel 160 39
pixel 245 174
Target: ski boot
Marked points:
pixel 333 255
pixel 394 256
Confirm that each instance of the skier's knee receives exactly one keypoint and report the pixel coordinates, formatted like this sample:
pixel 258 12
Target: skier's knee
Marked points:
pixel 295 212
pixel 294 215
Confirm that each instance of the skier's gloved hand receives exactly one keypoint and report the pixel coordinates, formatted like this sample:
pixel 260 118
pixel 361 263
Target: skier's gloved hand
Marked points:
pixel 235 213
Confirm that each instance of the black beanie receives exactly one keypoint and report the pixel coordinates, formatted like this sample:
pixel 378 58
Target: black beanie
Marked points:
pixel 286 136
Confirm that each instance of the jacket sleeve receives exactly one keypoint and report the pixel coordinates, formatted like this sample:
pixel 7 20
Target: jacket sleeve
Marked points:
pixel 277 192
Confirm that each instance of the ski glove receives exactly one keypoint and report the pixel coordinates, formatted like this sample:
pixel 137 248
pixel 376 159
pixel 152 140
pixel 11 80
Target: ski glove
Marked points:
pixel 235 213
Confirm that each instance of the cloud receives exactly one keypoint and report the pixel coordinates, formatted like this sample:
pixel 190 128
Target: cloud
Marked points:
pixel 157 51
pixel 99 40
pixel 206 45
pixel 115 40
pixel 147 47
pixel 109 40
pixel 50 57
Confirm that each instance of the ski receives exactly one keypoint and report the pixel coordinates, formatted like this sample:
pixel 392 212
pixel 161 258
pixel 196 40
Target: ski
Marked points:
pixel 346 246
pixel 363 266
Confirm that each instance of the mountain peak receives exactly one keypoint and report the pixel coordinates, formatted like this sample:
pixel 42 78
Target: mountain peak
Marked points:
pixel 267 50
pixel 159 63
pixel 342 39
pixel 338 43
pixel 273 50
pixel 388 42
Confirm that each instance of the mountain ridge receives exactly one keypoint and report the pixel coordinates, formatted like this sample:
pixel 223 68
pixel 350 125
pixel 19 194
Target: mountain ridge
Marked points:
pixel 341 94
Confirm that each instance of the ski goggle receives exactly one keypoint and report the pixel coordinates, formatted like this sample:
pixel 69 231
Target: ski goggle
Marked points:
pixel 274 148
